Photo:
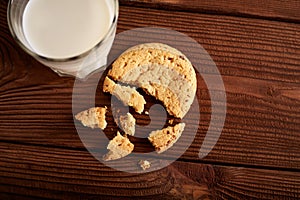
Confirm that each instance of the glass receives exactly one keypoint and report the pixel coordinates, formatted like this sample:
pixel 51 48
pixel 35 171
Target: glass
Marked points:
pixel 78 66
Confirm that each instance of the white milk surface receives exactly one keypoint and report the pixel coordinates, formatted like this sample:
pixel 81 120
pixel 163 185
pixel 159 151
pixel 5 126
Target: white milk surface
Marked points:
pixel 65 28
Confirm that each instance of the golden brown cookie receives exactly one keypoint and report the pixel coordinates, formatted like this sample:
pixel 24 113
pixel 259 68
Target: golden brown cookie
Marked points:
pixel 162 71
pixel 93 117
pixel 118 147
pixel 163 139
pixel 128 95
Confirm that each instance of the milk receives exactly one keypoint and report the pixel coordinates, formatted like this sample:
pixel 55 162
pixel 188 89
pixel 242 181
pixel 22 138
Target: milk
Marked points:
pixel 65 28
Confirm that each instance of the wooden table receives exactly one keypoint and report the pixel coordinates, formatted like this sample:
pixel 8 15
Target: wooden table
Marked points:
pixel 256 47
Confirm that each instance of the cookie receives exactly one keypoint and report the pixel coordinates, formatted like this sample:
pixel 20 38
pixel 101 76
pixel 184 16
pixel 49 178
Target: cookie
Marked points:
pixel 128 95
pixel 93 117
pixel 118 147
pixel 127 124
pixel 163 139
pixel 162 71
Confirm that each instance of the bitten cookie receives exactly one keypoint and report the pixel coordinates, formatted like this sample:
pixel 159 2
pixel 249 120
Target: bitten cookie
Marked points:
pixel 162 71
pixel 93 117
pixel 163 139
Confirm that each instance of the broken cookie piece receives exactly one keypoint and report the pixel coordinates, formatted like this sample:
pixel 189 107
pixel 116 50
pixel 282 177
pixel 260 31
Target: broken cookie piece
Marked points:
pixel 93 117
pixel 127 123
pixel 163 139
pixel 128 95
pixel 145 164
pixel 118 147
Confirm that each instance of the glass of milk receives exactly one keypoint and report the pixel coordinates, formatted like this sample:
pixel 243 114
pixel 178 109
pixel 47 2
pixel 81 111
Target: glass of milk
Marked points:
pixel 72 37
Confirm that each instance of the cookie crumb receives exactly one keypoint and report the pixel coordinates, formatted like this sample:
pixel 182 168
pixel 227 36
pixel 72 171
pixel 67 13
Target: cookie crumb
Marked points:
pixel 145 164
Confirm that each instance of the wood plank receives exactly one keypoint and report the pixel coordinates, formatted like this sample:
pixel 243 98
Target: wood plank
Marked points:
pixel 260 69
pixel 259 62
pixel 274 10
pixel 72 174
pixel 54 173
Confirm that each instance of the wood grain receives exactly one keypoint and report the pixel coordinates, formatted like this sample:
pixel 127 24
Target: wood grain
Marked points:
pixel 72 174
pixel 259 62
pixel 56 173
pixel 256 49
pixel 271 10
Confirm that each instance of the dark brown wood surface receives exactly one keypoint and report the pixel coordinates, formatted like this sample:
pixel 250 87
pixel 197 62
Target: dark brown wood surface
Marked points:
pixel 256 47
pixel 274 10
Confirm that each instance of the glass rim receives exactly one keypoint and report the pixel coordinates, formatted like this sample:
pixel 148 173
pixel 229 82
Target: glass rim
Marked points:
pixel 72 58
